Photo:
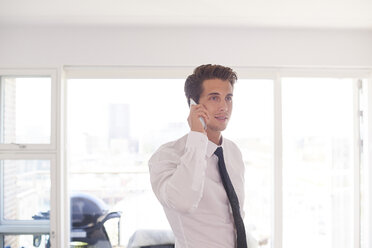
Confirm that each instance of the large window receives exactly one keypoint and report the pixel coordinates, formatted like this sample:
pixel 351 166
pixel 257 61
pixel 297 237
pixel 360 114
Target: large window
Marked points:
pixel 251 128
pixel 112 133
pixel 318 162
pixel 119 124
pixel 305 138
pixel 27 157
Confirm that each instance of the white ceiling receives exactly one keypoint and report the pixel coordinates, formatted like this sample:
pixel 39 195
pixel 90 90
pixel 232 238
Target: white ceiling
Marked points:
pixel 355 14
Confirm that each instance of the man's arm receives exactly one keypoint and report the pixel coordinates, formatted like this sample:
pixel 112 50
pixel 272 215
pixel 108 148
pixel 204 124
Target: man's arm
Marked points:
pixel 177 174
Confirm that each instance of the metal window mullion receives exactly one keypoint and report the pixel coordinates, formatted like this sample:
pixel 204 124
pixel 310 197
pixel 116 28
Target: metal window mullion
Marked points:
pixel 54 102
pixel 59 218
pixel 25 228
pixel 2 102
pixel 356 167
pixel 278 167
pixel 1 192
pixel 54 214
pixel 367 162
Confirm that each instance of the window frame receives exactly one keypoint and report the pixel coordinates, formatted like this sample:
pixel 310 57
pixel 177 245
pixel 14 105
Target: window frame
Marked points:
pixel 277 177
pixel 354 76
pixel 24 227
pixel 48 73
pixel 366 159
pixel 59 219
pixel 51 151
pixel 275 74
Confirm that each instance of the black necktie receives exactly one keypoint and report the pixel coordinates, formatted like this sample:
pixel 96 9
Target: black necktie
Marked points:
pixel 233 198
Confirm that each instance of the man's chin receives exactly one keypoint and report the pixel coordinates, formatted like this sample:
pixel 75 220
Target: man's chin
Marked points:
pixel 217 128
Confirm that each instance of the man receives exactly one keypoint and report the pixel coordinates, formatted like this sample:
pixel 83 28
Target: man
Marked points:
pixel 203 203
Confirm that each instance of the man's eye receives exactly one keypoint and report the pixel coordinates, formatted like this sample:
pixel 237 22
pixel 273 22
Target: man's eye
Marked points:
pixel 229 98
pixel 214 98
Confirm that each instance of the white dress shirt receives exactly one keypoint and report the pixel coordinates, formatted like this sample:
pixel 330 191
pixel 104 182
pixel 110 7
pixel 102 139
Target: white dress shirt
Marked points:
pixel 185 178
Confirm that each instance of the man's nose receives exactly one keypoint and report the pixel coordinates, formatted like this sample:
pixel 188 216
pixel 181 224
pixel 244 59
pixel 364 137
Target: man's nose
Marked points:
pixel 223 106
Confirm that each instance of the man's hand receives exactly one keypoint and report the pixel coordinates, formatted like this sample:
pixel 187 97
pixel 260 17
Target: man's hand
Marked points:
pixel 195 124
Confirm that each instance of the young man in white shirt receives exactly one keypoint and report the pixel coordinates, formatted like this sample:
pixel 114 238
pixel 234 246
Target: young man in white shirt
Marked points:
pixel 186 176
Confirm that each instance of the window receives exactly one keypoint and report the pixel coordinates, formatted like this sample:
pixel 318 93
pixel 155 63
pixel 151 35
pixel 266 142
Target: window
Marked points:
pixel 318 162
pixel 27 157
pixel 126 120
pixel 25 204
pixel 26 110
pixel 305 184
pixel 36 240
pixel 251 128
pixel 26 189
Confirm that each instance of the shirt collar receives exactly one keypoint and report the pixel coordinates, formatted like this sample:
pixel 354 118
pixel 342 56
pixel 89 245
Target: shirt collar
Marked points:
pixel 211 148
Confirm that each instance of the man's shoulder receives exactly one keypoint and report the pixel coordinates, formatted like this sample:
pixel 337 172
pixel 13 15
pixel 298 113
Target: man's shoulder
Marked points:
pixel 175 144
pixel 173 147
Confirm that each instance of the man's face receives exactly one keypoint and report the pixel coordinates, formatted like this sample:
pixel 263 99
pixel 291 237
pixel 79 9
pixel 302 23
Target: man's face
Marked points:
pixel 217 99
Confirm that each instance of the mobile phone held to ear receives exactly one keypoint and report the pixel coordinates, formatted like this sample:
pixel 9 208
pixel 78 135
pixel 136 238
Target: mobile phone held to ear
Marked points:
pixel 192 102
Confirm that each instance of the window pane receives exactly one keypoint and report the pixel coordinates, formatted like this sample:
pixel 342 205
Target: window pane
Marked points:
pixel 26 189
pixel 251 128
pixel 119 125
pixel 26 241
pixel 317 163
pixel 111 136
pixel 25 110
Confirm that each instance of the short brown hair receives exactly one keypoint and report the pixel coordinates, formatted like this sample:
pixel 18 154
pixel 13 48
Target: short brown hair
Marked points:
pixel 194 82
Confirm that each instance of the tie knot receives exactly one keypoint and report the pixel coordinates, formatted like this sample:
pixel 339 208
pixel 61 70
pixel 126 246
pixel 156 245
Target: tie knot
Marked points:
pixel 218 152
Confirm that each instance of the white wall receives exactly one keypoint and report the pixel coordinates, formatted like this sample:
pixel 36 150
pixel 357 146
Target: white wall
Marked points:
pixel 186 46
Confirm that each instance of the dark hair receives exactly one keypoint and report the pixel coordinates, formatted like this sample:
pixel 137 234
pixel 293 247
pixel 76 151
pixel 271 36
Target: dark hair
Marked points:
pixel 194 82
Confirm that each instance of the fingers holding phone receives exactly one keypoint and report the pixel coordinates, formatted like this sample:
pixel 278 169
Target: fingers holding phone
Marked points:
pixel 198 117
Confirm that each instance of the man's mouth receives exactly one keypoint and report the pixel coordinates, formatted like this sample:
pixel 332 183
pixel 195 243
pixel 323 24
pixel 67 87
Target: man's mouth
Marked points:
pixel 221 118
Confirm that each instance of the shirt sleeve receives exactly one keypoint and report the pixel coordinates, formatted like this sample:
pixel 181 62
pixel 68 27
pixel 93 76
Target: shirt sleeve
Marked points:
pixel 177 175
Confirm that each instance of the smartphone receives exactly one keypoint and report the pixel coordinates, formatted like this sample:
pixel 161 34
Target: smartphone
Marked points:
pixel 192 102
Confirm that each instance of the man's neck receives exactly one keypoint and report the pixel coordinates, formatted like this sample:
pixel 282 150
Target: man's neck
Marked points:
pixel 215 137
